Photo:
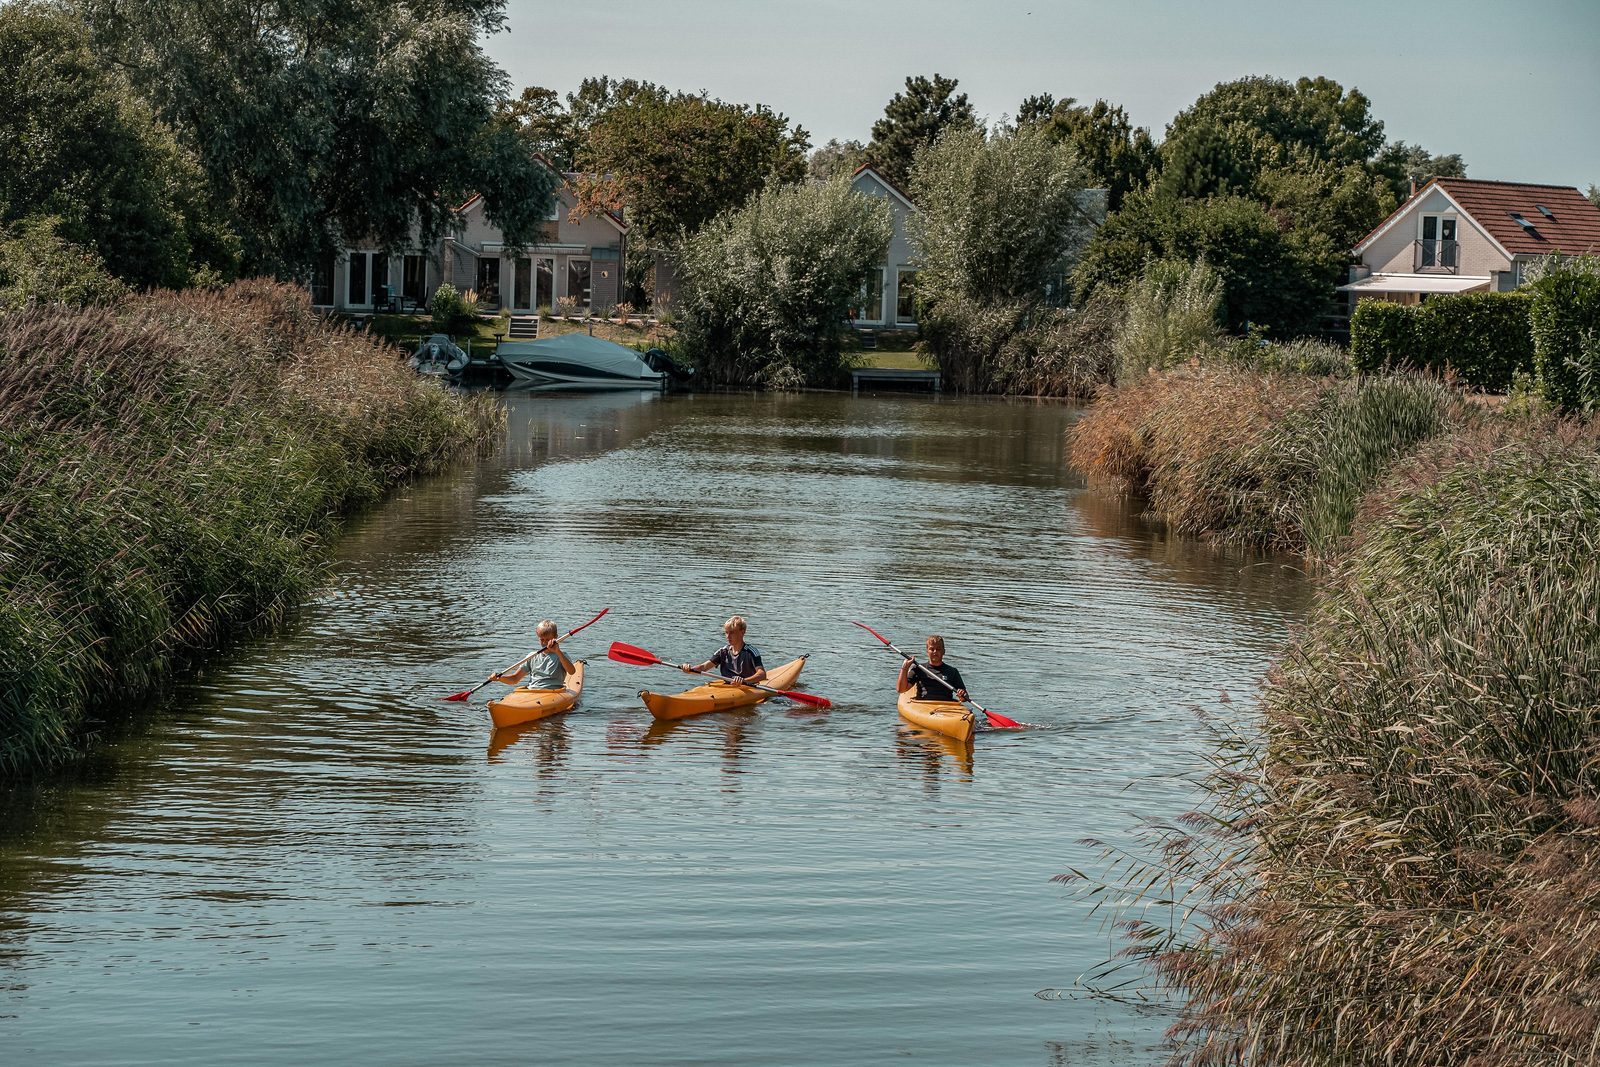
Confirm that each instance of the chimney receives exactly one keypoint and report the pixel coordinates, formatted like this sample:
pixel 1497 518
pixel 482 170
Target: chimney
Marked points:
pixel 1413 191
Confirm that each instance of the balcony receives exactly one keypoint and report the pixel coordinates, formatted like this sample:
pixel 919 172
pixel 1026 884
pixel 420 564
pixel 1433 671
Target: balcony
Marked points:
pixel 1431 256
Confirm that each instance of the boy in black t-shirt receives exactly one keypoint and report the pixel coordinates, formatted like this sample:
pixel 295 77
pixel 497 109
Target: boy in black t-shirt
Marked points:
pixel 927 689
pixel 739 662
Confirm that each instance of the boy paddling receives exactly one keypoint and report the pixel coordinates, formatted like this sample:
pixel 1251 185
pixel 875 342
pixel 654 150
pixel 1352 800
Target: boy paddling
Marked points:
pixel 739 663
pixel 912 674
pixel 545 669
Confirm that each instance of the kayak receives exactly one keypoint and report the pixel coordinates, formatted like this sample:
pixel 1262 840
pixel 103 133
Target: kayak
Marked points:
pixel 526 705
pixel 719 695
pixel 948 717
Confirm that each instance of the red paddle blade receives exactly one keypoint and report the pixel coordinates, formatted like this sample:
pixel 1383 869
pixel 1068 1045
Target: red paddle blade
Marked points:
pixel 590 623
pixel 871 631
pixel 807 698
pixel 457 696
pixel 633 655
pixel 1001 721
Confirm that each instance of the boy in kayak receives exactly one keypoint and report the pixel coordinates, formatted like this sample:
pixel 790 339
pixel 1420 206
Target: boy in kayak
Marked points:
pixel 545 669
pixel 738 661
pixel 927 689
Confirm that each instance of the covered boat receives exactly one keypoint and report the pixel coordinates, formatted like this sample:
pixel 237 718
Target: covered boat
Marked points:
pixel 948 717
pixel 526 705
pixel 576 360
pixel 438 356
pixel 719 695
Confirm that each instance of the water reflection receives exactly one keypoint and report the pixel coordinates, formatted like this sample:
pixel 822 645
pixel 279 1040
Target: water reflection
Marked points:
pixel 935 752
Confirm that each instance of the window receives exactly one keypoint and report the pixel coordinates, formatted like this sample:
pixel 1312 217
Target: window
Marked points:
pixel 544 287
pixel 415 279
pixel 1438 245
pixel 489 281
pixel 380 280
pixel 522 292
pixel 869 302
pixel 905 300
pixel 356 279
pixel 578 273
pixel 322 283
pixel 1546 212
pixel 1524 223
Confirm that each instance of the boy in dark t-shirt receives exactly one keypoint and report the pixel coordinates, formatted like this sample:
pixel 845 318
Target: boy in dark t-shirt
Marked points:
pixel 738 661
pixel 927 688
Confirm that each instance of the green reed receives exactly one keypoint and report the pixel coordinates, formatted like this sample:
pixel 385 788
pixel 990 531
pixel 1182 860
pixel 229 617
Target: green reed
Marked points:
pixel 170 470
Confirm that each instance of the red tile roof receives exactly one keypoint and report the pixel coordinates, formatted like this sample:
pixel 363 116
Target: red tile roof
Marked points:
pixel 1573 229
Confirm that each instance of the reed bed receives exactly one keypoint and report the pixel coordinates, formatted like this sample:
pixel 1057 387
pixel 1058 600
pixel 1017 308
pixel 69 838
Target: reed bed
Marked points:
pixel 1405 867
pixel 169 470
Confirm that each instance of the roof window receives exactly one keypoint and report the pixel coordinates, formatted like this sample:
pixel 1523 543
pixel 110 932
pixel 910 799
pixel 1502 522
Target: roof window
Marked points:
pixel 1545 212
pixel 1524 223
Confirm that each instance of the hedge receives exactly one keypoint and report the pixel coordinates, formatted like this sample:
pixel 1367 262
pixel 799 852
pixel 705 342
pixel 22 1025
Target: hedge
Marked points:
pixel 1566 336
pixel 1484 337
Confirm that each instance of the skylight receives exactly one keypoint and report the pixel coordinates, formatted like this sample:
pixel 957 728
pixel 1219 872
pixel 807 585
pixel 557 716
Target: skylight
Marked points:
pixel 1524 223
pixel 1545 212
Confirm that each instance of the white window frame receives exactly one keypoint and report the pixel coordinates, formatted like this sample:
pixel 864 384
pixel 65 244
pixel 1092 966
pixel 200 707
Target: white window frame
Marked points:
pixel 369 257
pixel 883 281
pixel 566 279
pixel 899 273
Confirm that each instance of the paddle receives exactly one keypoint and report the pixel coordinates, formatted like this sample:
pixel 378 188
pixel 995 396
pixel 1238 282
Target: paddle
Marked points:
pixel 995 718
pixel 638 657
pixel 464 694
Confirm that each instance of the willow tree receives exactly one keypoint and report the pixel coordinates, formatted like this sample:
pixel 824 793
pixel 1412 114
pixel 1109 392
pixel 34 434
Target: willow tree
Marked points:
pixel 767 288
pixel 1000 220
pixel 331 120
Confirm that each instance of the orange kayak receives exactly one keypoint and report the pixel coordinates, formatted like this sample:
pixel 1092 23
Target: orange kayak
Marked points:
pixel 527 705
pixel 948 717
pixel 719 696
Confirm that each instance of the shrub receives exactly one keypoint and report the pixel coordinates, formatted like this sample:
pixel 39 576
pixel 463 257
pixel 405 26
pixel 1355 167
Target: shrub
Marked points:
pixel 1483 338
pixel 1303 355
pixel 1170 318
pixel 1566 333
pixel 447 308
pixel 38 267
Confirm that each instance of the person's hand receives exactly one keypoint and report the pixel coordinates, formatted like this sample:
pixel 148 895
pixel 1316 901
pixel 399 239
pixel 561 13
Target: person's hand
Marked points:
pixel 961 694
pixel 685 668
pixel 553 645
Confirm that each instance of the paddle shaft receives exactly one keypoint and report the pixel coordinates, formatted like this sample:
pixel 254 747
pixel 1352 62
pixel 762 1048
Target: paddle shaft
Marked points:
pixel 987 714
pixel 534 653
pixel 641 657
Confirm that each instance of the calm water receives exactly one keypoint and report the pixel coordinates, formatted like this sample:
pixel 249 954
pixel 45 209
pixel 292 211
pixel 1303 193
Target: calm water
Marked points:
pixel 310 859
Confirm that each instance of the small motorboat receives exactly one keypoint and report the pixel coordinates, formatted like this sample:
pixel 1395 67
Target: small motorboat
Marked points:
pixel 438 357
pixel 576 360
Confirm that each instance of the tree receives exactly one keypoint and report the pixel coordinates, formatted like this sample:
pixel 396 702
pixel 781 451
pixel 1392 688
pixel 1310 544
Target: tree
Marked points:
pixel 835 158
pixel 329 121
pixel 676 162
pixel 914 119
pixel 1594 195
pixel 1118 156
pixel 87 154
pixel 767 287
pixel 544 125
pixel 1272 277
pixel 38 267
pixel 1225 140
pixel 1408 165
pixel 999 219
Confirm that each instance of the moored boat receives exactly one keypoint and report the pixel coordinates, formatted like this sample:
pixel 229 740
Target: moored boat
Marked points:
pixel 576 360
pixel 526 705
pixel 948 717
pixel 719 695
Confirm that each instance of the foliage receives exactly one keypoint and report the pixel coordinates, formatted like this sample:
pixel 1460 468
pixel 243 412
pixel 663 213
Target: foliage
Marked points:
pixel 38 267
pixel 1269 279
pixel 835 158
pixel 84 151
pixel 677 161
pixel 915 119
pixel 1594 194
pixel 1303 355
pixel 1414 848
pixel 1060 351
pixel 1170 318
pixel 1405 165
pixel 1565 320
pixel 1117 156
pixel 1483 338
pixel 1000 218
pixel 331 119
pixel 151 514
pixel 767 287
pixel 448 309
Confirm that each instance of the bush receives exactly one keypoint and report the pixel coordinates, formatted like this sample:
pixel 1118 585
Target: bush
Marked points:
pixel 1565 322
pixel 767 288
pixel 452 310
pixel 1170 318
pixel 38 267
pixel 1483 338
pixel 1303 355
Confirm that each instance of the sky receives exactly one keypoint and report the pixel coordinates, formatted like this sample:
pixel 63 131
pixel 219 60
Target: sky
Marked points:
pixel 1512 85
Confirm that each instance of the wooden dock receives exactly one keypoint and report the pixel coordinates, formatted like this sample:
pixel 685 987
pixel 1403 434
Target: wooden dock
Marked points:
pixel 894 379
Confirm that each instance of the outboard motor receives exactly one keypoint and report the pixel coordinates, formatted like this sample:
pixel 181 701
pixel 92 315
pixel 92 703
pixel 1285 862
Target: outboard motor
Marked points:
pixel 658 360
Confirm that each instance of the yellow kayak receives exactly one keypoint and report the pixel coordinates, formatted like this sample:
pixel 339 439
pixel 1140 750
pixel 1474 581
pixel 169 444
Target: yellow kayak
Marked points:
pixel 526 705
pixel 719 696
pixel 948 717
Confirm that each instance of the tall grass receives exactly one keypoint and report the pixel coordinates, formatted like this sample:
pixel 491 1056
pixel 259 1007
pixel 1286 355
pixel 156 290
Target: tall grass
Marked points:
pixel 1172 316
pixel 1406 867
pixel 168 472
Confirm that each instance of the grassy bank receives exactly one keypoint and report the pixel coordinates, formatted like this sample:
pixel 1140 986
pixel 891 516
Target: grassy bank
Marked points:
pixel 1403 864
pixel 170 469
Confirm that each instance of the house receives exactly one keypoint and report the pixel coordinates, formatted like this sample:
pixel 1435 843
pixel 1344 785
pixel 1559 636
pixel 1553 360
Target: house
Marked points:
pixel 573 259
pixel 1458 235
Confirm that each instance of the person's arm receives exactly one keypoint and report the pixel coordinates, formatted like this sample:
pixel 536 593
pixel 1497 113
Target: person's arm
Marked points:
pixel 698 668
pixel 904 682
pixel 554 647
pixel 759 673
pixel 514 675
pixel 960 686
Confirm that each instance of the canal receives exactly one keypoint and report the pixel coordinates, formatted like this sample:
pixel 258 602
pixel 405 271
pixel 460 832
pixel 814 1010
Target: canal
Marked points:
pixel 308 857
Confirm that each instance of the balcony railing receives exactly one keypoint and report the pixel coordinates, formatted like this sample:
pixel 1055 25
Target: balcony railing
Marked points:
pixel 1436 257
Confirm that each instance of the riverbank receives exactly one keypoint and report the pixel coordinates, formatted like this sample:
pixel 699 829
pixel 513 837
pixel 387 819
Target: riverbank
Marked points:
pixel 171 470
pixel 1411 845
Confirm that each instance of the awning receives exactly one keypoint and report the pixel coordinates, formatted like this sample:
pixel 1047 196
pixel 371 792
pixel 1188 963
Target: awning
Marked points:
pixel 1414 283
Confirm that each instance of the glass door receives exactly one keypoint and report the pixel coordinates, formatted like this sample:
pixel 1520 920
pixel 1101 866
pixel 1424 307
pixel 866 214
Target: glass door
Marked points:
pixel 522 287
pixel 544 286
